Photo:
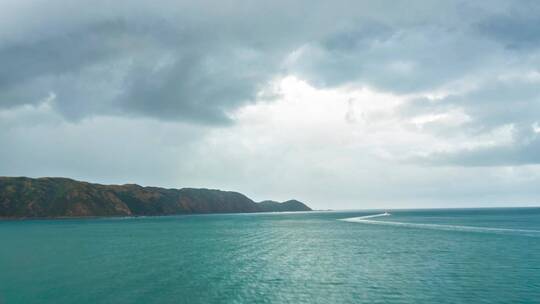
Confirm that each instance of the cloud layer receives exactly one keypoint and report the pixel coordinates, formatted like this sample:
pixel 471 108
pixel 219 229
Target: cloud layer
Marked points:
pixel 401 102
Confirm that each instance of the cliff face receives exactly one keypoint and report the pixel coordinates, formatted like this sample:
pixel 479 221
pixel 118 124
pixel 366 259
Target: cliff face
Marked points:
pixel 62 197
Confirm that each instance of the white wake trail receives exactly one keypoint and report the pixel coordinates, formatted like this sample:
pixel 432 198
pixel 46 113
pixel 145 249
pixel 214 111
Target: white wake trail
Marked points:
pixel 366 220
pixel 362 218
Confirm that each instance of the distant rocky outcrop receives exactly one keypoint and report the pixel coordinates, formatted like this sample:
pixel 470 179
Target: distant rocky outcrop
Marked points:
pixel 22 197
pixel 290 205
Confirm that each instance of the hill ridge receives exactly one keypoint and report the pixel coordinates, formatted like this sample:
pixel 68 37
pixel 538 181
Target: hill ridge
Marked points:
pixel 25 197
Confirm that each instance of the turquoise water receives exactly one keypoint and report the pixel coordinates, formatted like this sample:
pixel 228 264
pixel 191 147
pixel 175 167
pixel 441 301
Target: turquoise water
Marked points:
pixel 415 256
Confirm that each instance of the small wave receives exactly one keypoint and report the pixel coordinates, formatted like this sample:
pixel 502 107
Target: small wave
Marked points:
pixel 365 220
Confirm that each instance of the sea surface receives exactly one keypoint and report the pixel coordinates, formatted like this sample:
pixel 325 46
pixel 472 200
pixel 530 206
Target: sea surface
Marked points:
pixel 409 256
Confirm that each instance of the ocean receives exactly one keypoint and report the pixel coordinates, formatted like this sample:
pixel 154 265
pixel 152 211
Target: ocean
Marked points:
pixel 410 256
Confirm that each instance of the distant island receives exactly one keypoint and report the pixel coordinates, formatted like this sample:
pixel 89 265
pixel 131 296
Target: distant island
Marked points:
pixel 52 197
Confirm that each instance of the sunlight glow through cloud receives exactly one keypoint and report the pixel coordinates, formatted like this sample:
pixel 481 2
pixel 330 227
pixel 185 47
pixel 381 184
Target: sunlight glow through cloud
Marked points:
pixel 353 105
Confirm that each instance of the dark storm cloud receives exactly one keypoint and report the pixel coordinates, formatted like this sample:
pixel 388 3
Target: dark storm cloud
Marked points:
pixel 186 69
pixel 63 53
pixel 198 85
pixel 517 28
pixel 196 62
pixel 177 60
pixel 34 68
pixel 148 70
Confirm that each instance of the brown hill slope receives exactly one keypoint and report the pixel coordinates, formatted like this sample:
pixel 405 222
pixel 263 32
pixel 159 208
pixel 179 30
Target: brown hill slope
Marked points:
pixel 63 197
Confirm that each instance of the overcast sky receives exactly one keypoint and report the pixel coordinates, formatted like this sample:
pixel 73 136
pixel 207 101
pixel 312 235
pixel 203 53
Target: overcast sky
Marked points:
pixel 340 104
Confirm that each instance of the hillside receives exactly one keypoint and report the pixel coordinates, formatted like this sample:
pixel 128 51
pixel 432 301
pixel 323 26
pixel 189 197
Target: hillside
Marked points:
pixel 22 197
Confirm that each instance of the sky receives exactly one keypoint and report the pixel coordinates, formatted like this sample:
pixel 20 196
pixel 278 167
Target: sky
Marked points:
pixel 339 104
